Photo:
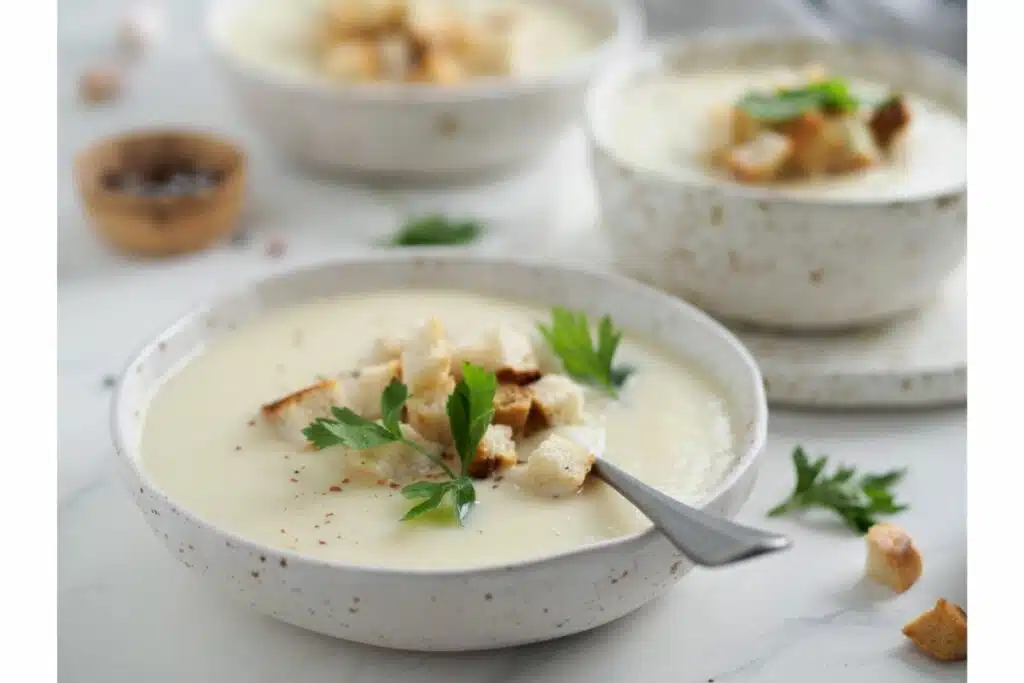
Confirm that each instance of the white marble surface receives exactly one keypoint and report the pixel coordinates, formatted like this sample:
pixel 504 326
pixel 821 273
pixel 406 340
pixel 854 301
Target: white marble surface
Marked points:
pixel 129 612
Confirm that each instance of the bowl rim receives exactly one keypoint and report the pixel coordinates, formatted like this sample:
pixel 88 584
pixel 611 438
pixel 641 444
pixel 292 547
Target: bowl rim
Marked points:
pixel 628 31
pixel 128 455
pixel 626 69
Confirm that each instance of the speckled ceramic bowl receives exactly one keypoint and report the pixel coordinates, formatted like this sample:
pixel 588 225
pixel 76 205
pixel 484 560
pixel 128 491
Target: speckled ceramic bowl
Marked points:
pixel 418 130
pixel 764 256
pixel 492 607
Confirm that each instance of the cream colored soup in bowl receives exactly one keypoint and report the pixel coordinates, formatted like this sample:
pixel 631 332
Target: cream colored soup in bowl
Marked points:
pixel 314 538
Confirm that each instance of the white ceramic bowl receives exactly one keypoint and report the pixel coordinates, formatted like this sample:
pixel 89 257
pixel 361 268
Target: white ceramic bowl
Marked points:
pixel 505 605
pixel 417 129
pixel 761 256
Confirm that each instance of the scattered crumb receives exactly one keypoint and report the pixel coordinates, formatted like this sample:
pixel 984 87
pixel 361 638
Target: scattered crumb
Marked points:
pixel 336 489
pixel 276 248
pixel 100 84
pixel 941 632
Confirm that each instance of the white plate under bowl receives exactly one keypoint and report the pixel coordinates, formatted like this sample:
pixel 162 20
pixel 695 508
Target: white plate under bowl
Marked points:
pixel 917 361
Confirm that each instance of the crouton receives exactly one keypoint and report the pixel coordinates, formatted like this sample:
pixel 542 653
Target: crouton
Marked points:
pixel 496 452
pixel 428 413
pixel 439 67
pixel 507 353
pixel 294 412
pixel 888 120
pixel 384 349
pixel 811 147
pixel 941 632
pixel 350 61
pixel 557 467
pixel 855 146
pixel 426 358
pixel 365 387
pixel 512 406
pixel 394 58
pixel 762 159
pixel 743 127
pixel 486 49
pixel 892 558
pixel 395 462
pixel 361 17
pixel 557 400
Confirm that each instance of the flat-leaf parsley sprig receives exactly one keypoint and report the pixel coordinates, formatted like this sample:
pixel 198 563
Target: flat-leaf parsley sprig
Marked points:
pixel 470 410
pixel 570 339
pixel 857 500
pixel 436 231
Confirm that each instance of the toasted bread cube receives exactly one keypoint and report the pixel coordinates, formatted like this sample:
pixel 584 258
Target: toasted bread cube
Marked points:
pixel 496 452
pixel 440 67
pixel 557 400
pixel 512 405
pixel 889 120
pixel 812 147
pixel 428 413
pixel 294 412
pixel 856 148
pixel 427 358
pixel 558 466
pixel 351 61
pixel 941 632
pixel 394 58
pixel 365 388
pixel 362 17
pixel 395 462
pixel 743 127
pixel 506 352
pixel 486 49
pixel 763 159
pixel 892 558
pixel 434 25
pixel 384 349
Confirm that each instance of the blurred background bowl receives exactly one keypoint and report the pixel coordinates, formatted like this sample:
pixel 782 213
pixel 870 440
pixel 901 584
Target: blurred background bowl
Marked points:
pixel 415 130
pixel 759 255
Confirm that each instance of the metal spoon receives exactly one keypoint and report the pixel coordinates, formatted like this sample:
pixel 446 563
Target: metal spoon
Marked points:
pixel 703 538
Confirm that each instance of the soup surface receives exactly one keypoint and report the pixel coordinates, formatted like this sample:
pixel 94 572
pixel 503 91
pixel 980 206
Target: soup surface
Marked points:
pixel 279 34
pixel 203 445
pixel 663 122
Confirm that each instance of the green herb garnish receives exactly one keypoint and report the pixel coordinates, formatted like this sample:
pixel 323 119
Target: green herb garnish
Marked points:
pixel 470 410
pixel 434 231
pixel 789 103
pixel 569 337
pixel 857 500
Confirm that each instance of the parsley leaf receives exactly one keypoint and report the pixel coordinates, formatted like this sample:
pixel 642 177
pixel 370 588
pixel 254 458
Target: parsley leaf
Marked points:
pixel 435 230
pixel 462 493
pixel 832 95
pixel 470 410
pixel 570 339
pixel 857 500
pixel 348 429
pixel 391 403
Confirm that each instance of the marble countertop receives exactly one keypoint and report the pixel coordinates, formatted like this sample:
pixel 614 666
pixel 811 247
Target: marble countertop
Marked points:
pixel 129 612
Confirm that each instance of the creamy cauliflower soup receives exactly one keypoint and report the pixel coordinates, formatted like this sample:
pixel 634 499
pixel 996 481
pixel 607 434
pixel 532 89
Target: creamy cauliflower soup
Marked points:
pixel 245 434
pixel 676 123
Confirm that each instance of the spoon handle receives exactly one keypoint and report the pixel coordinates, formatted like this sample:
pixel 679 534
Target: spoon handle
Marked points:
pixel 705 539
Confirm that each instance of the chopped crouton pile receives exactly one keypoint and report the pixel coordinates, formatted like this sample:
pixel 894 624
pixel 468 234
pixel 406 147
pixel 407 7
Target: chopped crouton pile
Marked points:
pixel 402 41
pixel 527 403
pixel 816 130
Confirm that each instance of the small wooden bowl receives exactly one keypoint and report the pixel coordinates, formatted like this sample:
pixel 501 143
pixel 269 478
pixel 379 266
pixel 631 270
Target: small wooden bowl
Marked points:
pixel 161 225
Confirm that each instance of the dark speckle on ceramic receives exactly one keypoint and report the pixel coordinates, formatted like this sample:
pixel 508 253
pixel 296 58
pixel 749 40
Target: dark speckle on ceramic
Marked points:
pixel 447 125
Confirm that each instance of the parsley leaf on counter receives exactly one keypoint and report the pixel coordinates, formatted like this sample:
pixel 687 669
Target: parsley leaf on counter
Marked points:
pixel 435 230
pixel 785 104
pixel 570 339
pixel 857 500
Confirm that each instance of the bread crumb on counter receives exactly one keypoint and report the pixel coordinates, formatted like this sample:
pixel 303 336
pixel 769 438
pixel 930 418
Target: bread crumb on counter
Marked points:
pixel 892 558
pixel 941 632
